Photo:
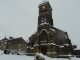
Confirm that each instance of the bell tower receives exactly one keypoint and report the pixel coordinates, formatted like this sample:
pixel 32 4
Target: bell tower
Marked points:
pixel 45 13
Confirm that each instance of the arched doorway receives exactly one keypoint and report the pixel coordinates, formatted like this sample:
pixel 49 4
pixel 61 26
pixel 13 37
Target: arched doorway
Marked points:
pixel 43 41
pixel 44 50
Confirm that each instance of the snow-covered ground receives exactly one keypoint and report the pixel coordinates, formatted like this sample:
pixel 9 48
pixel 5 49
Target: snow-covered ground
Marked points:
pixel 23 57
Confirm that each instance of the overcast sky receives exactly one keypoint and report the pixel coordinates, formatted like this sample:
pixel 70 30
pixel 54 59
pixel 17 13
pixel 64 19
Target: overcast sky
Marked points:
pixel 18 18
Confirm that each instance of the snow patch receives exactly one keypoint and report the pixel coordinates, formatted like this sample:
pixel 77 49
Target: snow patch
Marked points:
pixel 61 46
pixel 66 44
pixel 51 43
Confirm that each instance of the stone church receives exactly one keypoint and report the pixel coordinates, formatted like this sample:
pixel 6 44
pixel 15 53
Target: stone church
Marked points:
pixel 48 39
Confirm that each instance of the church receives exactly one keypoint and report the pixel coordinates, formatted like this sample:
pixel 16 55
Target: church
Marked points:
pixel 48 39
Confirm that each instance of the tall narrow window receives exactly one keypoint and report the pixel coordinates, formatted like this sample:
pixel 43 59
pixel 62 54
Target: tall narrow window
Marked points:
pixel 43 19
pixel 44 36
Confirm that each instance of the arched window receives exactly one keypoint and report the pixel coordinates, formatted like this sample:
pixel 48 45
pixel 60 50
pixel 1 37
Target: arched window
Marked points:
pixel 44 36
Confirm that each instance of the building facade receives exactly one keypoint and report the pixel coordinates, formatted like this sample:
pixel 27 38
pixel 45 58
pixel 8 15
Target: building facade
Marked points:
pixel 48 39
pixel 14 44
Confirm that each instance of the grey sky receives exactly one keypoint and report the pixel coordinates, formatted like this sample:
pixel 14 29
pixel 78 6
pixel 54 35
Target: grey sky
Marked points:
pixel 18 18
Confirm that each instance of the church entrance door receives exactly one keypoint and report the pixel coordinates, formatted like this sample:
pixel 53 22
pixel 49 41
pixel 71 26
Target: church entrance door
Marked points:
pixel 44 50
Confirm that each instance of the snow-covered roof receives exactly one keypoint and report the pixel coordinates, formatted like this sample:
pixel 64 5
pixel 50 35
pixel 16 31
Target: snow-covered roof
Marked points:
pixel 8 38
pixel 52 29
